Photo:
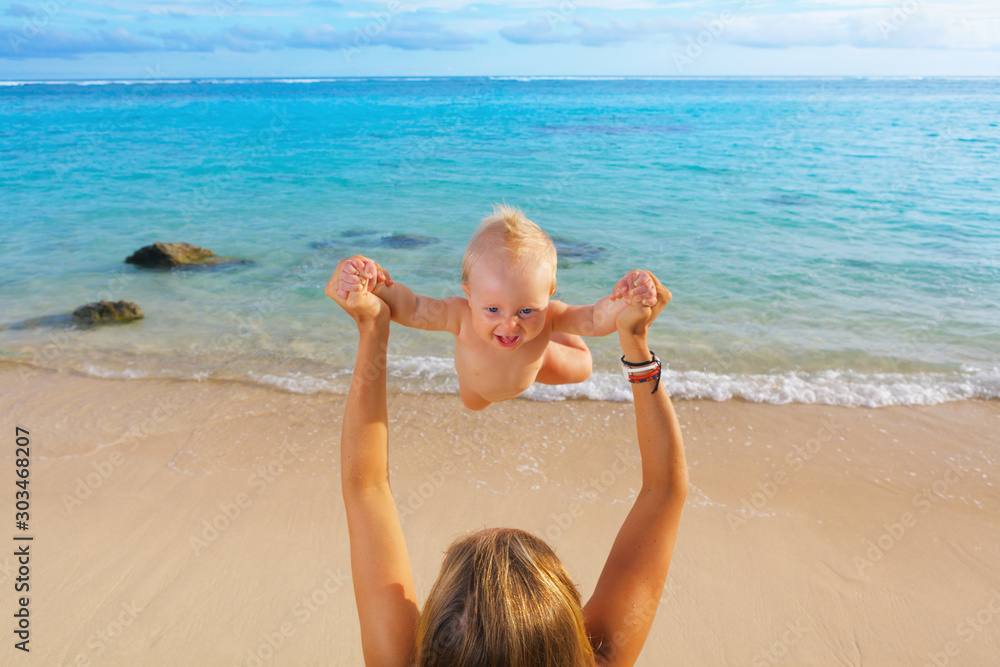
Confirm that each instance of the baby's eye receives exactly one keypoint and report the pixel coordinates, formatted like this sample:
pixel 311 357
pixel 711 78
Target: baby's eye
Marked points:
pixel 493 309
pixel 526 311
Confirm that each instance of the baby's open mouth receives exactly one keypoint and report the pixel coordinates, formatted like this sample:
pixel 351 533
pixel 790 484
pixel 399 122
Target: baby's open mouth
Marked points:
pixel 507 341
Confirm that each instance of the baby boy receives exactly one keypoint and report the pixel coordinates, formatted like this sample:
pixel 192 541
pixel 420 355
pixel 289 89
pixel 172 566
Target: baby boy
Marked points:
pixel 508 334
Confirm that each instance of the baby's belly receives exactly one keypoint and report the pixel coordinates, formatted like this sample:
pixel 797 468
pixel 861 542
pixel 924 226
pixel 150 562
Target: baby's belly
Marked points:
pixel 495 381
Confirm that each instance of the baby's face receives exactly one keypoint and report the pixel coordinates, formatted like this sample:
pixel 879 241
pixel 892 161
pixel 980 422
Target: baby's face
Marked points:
pixel 508 305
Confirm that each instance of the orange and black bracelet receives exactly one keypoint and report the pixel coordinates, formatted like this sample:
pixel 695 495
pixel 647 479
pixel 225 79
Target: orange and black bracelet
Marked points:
pixel 643 371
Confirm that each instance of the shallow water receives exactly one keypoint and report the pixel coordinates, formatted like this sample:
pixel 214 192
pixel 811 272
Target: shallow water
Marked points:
pixel 825 240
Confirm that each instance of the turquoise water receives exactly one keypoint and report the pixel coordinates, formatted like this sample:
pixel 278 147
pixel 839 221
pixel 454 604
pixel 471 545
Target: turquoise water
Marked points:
pixel 826 240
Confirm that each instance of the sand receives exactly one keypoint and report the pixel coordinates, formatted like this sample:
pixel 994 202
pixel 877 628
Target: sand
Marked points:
pixel 183 522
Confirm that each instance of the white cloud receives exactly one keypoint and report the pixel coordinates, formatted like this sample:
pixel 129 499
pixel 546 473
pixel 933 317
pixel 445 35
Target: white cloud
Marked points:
pixel 447 25
pixel 910 24
pixel 930 27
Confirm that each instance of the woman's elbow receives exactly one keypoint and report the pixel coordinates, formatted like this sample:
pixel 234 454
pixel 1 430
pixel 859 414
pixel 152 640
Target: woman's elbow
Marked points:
pixel 680 488
pixel 681 481
pixel 355 487
pixel 676 487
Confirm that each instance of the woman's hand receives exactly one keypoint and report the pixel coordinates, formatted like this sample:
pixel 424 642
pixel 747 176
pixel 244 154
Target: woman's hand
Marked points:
pixel 359 302
pixel 359 274
pixel 635 319
pixel 636 286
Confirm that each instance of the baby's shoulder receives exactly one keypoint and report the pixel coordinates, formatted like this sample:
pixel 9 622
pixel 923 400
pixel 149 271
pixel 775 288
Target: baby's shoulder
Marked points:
pixel 458 313
pixel 457 303
pixel 556 308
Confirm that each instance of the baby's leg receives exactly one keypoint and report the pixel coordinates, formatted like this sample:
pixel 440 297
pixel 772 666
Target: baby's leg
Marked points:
pixel 471 399
pixel 567 360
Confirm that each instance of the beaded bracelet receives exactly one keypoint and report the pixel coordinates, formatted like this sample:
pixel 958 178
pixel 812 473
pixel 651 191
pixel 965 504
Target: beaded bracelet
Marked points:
pixel 643 371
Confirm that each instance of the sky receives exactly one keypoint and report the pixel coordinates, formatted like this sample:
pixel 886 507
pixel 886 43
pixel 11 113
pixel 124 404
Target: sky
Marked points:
pixel 125 39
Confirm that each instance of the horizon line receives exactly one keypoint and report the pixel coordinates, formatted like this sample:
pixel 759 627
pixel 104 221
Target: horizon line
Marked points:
pixel 307 78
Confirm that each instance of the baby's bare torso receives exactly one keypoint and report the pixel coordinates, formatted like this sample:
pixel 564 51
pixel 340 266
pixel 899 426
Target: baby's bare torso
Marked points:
pixel 493 373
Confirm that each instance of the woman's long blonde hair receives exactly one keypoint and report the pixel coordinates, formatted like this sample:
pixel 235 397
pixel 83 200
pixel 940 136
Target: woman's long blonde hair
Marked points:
pixel 503 598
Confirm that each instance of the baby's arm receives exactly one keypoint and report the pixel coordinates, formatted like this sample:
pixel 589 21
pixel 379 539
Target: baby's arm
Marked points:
pixel 411 310
pixel 421 312
pixel 599 319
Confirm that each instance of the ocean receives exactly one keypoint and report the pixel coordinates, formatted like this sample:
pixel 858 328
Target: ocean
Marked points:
pixel 826 240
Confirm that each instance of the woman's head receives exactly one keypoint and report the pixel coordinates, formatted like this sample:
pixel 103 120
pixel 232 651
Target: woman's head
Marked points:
pixel 502 598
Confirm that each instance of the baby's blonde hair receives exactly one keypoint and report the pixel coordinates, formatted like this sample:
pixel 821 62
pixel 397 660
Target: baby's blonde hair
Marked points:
pixel 511 234
pixel 502 598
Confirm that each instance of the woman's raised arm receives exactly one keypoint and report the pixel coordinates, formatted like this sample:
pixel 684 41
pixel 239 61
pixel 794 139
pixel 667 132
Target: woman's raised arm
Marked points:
pixel 620 613
pixel 380 565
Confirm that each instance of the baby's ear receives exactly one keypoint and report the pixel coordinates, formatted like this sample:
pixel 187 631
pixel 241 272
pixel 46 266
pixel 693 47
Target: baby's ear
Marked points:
pixel 553 290
pixel 465 288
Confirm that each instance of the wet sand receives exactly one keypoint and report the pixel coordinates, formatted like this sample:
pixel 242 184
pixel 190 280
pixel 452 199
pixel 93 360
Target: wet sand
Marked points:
pixel 183 522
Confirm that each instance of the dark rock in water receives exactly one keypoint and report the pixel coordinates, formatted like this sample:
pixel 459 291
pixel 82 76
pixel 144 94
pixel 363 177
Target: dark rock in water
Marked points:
pixel 62 320
pixel 584 253
pixel 356 236
pixel 171 255
pixel 324 245
pixel 604 128
pixel 788 200
pixel 408 241
pixel 106 312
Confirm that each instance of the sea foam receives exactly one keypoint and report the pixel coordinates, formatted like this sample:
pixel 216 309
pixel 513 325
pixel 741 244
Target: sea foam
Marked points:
pixel 436 375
